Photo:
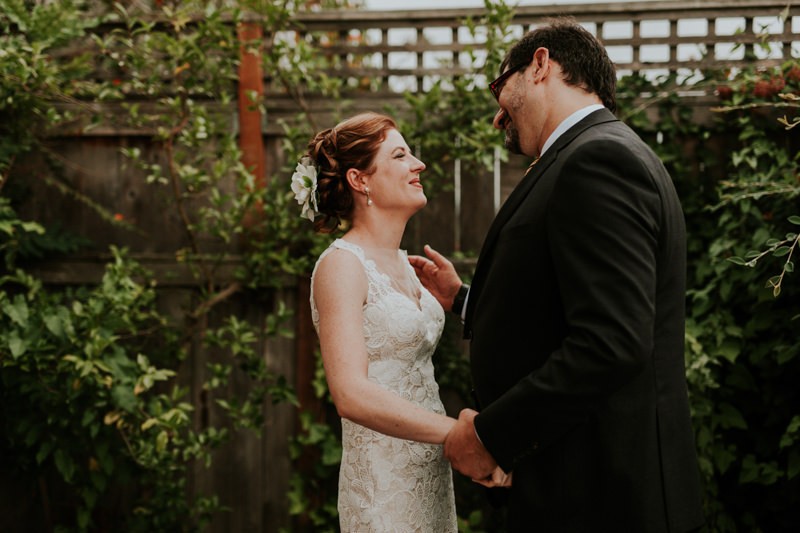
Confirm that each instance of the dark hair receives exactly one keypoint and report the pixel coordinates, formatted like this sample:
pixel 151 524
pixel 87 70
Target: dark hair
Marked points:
pixel 582 57
pixel 352 143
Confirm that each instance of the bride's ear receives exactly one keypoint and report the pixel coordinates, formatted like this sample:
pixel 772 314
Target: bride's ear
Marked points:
pixel 356 179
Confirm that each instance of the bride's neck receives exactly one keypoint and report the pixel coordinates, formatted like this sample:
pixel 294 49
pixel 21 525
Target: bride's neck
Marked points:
pixel 368 236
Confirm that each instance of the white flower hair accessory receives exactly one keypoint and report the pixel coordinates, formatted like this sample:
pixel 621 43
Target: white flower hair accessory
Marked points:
pixel 304 186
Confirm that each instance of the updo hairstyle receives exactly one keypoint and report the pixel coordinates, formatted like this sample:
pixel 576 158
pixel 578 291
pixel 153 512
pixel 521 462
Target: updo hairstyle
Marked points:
pixel 352 143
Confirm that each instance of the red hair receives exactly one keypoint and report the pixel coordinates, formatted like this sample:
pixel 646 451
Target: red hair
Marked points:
pixel 352 143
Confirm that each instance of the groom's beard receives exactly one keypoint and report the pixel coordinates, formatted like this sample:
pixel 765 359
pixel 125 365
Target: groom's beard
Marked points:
pixel 512 139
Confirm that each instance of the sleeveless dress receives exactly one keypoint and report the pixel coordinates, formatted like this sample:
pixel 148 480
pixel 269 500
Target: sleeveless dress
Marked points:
pixel 388 484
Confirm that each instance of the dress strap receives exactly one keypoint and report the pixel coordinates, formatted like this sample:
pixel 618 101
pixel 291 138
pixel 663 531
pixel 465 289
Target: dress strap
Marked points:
pixel 351 247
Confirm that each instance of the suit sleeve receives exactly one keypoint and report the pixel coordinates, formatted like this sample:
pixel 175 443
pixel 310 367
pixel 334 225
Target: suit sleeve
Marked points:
pixel 602 230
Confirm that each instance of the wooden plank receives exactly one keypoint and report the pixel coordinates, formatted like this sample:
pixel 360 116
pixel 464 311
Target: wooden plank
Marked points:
pixel 341 24
pixel 166 270
pixel 358 19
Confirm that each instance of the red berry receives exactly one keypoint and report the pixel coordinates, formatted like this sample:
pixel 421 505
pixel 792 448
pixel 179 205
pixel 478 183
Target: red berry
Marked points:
pixel 793 74
pixel 777 83
pixel 762 89
pixel 724 92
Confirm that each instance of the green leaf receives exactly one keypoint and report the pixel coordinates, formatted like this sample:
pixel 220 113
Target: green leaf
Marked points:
pixel 17 345
pixel 723 459
pixel 161 441
pixel 44 451
pixel 123 396
pixel 749 470
pixel 89 416
pixel 793 464
pixel 730 417
pixel 55 324
pixel 17 311
pixel 147 424
pixel 7 227
pixel 84 517
pixel 331 454
pixel 730 350
pixel 791 434
pixel 64 464
pixel 794 219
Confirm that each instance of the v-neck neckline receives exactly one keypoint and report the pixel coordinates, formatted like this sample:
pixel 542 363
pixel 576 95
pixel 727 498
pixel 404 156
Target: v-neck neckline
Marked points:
pixel 415 300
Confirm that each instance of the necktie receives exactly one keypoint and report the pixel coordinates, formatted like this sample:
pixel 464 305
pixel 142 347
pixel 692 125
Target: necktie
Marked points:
pixel 530 167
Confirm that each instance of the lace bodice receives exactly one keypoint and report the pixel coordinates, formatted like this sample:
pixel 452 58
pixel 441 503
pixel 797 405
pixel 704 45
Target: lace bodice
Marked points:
pixel 389 484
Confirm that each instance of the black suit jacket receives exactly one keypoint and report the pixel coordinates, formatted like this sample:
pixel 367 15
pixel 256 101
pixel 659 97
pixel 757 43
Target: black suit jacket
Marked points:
pixel 576 320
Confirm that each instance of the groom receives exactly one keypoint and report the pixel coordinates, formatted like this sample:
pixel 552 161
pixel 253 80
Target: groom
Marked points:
pixel 576 310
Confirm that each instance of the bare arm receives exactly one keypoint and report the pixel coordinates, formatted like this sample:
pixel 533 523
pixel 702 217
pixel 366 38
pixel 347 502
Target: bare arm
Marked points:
pixel 340 289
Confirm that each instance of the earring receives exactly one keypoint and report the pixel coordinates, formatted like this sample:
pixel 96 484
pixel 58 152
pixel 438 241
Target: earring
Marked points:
pixel 369 200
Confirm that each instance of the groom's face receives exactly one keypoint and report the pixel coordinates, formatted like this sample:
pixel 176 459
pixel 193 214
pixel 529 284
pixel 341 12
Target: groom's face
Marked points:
pixel 526 102
pixel 510 107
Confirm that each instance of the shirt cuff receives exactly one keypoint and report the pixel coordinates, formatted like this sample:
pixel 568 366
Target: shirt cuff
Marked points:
pixel 460 301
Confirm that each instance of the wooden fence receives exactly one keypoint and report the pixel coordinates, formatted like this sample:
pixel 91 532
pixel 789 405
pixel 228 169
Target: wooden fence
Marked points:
pixel 393 51
pixel 407 50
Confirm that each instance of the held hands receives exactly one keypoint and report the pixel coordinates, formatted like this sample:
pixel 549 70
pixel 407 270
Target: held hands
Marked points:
pixel 466 453
pixel 497 479
pixel 438 275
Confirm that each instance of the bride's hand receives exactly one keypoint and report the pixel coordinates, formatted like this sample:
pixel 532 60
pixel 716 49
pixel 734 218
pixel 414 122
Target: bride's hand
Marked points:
pixel 497 479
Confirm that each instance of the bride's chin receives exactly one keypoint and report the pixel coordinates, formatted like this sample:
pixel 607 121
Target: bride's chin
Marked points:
pixel 416 209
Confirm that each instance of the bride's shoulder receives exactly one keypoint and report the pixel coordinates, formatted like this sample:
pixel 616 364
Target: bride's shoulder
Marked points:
pixel 340 253
pixel 339 269
pixel 336 258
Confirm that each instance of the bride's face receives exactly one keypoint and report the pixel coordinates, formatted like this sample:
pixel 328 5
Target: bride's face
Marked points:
pixel 395 182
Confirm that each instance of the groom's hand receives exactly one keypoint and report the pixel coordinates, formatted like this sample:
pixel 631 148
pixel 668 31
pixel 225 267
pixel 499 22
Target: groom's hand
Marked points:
pixel 465 451
pixel 438 275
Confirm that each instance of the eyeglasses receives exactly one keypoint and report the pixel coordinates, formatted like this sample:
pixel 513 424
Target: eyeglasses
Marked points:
pixel 497 85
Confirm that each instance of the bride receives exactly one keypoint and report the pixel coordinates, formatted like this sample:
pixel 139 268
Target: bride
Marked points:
pixel 378 328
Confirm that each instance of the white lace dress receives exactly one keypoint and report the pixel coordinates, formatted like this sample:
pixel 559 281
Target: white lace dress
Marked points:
pixel 388 484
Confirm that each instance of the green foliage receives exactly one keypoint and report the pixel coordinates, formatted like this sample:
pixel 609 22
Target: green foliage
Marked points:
pixel 451 120
pixel 91 405
pixel 767 166
pixel 81 399
pixel 14 233
pixel 283 243
pixel 313 489
pixel 30 81
pixel 738 179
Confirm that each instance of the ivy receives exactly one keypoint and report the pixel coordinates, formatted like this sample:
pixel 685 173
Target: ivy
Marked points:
pixel 92 406
pixel 738 194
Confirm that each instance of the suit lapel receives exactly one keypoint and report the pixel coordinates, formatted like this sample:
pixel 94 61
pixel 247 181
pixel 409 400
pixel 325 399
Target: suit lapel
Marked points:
pixel 516 198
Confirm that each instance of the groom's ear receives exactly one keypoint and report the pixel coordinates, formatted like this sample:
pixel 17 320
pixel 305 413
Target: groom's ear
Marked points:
pixel 356 179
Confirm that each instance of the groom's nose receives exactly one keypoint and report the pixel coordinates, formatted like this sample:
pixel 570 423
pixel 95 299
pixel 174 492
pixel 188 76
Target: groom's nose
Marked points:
pixel 500 119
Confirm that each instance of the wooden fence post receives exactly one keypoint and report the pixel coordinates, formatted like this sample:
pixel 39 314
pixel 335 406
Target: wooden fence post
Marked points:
pixel 251 94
